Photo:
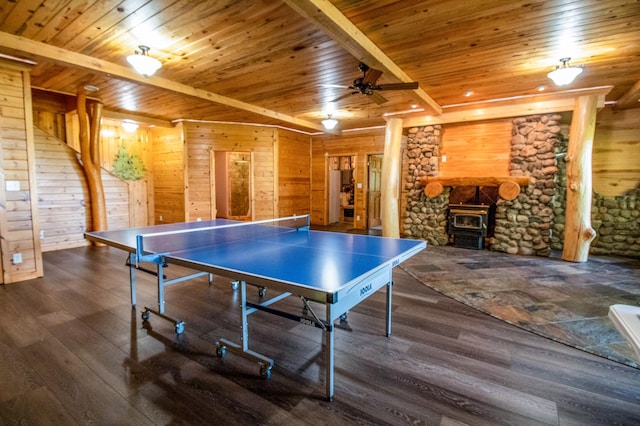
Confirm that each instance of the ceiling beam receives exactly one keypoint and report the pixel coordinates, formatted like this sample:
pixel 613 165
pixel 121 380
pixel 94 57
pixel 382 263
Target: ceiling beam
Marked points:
pixel 42 51
pixel 631 99
pixel 329 19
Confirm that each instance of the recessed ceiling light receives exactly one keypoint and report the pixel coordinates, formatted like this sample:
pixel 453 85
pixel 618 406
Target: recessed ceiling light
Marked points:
pixel 541 88
pixel 91 88
pixel 468 93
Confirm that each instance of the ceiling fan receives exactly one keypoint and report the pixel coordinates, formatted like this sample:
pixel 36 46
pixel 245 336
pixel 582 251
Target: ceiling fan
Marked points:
pixel 366 85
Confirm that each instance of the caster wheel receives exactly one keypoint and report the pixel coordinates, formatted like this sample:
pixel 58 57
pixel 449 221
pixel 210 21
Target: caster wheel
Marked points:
pixel 262 291
pixel 265 371
pixel 343 317
pixel 146 315
pixel 221 351
pixel 180 327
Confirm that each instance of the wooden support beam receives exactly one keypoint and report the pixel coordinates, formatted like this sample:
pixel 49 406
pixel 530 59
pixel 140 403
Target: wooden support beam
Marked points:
pixel 21 45
pixel 89 129
pixel 578 232
pixel 476 180
pixel 390 179
pixel 508 186
pixel 330 20
pixel 631 99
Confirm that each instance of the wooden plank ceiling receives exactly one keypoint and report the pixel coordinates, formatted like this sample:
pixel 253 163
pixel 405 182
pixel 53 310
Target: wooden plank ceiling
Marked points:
pixel 281 62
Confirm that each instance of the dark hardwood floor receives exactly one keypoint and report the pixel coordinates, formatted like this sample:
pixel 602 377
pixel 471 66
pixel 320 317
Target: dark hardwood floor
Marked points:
pixel 74 352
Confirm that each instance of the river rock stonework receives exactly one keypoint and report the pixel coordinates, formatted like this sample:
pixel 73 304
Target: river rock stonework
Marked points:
pixel 616 219
pixel 523 225
pixel 424 218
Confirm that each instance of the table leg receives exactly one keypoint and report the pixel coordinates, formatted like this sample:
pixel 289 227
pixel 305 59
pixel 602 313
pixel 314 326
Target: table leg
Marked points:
pixel 132 278
pixel 160 288
pixel 389 299
pixel 329 359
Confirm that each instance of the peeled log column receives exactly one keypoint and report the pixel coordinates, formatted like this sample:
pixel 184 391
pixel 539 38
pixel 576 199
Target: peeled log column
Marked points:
pixel 578 232
pixel 89 128
pixel 390 179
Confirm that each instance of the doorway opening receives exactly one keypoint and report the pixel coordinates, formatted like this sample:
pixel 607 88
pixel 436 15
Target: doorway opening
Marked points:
pixel 231 185
pixel 341 189
pixel 374 215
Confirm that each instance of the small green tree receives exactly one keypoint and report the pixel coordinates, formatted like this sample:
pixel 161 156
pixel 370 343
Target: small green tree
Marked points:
pixel 128 167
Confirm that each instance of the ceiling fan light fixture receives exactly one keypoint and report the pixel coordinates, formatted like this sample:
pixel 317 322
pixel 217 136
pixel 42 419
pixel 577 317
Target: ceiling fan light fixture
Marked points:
pixel 329 123
pixel 143 63
pixel 564 73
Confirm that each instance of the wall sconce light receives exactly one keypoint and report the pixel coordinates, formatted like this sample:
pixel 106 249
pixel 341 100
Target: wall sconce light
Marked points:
pixel 129 126
pixel 564 74
pixel 143 63
pixel 330 123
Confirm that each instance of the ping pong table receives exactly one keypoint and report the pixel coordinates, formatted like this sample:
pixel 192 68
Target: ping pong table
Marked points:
pixel 282 255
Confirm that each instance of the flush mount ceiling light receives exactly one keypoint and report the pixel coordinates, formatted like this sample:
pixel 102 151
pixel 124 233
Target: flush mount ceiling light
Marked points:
pixel 564 73
pixel 330 123
pixel 143 63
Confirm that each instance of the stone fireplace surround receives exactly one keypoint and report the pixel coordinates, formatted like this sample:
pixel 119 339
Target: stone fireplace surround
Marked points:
pixel 532 223
pixel 523 225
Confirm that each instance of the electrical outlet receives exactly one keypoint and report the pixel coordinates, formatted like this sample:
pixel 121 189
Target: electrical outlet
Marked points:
pixel 17 258
pixel 42 234
pixel 160 218
pixel 357 217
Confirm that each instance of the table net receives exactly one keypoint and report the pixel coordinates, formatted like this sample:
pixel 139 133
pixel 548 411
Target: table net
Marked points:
pixel 207 236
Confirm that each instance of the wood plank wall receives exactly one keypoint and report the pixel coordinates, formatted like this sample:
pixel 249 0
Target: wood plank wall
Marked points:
pixel 616 151
pixel 294 173
pixel 201 139
pixel 476 149
pixel 358 144
pixel 19 227
pixel 168 175
pixel 63 196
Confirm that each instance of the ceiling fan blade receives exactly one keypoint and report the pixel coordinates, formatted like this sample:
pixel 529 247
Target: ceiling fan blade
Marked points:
pixel 346 95
pixel 334 86
pixel 398 86
pixel 377 98
pixel 371 76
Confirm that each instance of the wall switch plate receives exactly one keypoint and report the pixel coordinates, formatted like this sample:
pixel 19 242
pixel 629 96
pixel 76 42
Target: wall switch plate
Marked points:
pixel 13 185
pixel 17 258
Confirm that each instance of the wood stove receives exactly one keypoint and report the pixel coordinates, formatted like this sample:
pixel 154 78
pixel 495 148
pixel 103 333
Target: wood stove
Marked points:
pixel 468 225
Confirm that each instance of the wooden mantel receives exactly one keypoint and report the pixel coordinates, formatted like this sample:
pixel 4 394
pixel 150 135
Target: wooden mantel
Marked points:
pixel 509 186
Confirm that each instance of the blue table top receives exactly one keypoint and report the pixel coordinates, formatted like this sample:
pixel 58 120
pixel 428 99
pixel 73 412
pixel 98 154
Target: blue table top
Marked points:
pixel 318 260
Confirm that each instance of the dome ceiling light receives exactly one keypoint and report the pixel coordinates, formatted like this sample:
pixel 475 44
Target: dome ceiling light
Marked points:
pixel 564 73
pixel 143 63
pixel 330 123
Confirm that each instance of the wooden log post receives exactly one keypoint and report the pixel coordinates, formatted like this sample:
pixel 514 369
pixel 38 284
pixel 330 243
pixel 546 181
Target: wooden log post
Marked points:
pixel 89 129
pixel 578 232
pixel 390 179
